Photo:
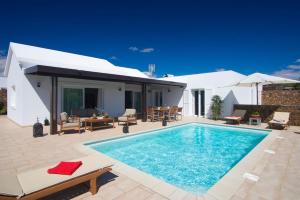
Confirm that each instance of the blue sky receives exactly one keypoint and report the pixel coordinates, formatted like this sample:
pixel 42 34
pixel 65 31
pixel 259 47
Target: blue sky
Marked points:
pixel 180 37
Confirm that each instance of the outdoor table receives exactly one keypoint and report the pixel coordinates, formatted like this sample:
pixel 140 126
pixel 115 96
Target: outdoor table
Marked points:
pixel 254 120
pixel 162 112
pixel 93 121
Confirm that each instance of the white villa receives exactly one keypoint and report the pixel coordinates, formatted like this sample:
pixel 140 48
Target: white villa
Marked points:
pixel 41 83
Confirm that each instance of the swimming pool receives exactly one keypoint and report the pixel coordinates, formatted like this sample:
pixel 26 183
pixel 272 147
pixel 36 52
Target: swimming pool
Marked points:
pixel 192 156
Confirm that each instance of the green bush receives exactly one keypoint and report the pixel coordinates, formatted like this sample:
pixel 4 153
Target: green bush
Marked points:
pixel 3 110
pixel 216 107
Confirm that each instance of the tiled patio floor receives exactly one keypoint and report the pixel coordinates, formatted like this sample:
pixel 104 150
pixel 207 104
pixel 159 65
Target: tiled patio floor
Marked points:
pixel 19 151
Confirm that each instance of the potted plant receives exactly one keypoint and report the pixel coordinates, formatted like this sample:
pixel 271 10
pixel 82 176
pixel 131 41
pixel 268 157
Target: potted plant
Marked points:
pixel 255 114
pixel 105 115
pixel 216 107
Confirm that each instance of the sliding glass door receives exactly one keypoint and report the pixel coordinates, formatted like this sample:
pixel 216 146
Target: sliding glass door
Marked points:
pixel 133 100
pixel 73 99
pixel 82 98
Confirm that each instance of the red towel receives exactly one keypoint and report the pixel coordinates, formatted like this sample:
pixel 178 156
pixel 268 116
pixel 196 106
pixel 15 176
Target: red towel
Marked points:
pixel 65 168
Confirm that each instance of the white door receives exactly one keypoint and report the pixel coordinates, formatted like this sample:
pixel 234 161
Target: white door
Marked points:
pixel 185 102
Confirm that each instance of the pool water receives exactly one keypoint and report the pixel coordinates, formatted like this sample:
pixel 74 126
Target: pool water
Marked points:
pixel 192 156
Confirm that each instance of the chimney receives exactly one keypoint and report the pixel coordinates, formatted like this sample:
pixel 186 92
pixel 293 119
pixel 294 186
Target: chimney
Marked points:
pixel 151 69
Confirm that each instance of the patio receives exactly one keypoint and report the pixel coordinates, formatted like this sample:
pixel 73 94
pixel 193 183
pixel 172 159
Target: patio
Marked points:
pixel 19 151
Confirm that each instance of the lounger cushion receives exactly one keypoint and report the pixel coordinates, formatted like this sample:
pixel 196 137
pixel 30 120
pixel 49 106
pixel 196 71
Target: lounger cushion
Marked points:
pixel 38 179
pixel 277 122
pixel 233 118
pixel 70 125
pixel 10 186
pixel 122 119
pixel 65 168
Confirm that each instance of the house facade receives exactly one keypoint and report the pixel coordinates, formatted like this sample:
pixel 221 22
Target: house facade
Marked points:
pixel 196 99
pixel 41 83
pixel 36 75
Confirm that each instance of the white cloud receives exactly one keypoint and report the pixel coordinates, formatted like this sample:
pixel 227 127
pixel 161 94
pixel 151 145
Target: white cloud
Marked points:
pixel 298 60
pixel 220 69
pixel 147 50
pixel 293 66
pixel 133 48
pixel 113 58
pixel 288 73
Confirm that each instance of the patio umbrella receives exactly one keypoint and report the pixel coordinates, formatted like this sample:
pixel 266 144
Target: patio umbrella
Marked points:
pixel 258 78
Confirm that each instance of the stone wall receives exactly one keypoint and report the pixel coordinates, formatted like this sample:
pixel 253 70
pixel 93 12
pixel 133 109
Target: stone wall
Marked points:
pixel 266 112
pixel 281 97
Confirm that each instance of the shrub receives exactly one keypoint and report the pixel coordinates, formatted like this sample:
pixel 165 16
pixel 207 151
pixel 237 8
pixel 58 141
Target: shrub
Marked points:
pixel 216 107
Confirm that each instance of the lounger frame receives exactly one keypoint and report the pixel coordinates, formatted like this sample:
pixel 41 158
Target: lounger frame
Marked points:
pixel 91 177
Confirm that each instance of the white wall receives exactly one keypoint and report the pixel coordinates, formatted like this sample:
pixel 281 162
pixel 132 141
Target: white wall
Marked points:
pixel 36 100
pixel 15 80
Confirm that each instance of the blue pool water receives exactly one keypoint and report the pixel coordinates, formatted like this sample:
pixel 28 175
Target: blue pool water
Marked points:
pixel 192 156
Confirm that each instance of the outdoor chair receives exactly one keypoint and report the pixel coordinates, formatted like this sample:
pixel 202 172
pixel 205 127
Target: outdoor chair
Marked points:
pixel 129 117
pixel 69 122
pixel 152 114
pixel 280 120
pixel 171 115
pixel 37 183
pixel 236 117
pixel 179 113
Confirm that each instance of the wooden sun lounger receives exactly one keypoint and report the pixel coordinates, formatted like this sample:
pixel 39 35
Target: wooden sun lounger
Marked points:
pixel 237 116
pixel 280 120
pixel 38 183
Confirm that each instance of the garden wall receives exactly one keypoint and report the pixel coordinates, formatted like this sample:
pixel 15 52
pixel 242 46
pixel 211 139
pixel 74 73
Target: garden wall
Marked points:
pixel 266 111
pixel 3 100
pixel 281 97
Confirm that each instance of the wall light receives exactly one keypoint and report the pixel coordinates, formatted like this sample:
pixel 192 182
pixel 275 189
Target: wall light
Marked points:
pixel 38 84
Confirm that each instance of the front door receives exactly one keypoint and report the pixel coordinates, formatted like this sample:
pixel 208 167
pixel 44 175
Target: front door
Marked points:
pixel 128 99
pixel 202 105
pixel 196 104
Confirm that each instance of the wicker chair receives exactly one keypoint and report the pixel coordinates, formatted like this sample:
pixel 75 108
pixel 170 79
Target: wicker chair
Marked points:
pixel 152 114
pixel 69 122
pixel 129 117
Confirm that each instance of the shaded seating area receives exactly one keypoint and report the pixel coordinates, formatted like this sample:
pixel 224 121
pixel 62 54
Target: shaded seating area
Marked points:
pixel 236 117
pixel 37 183
pixel 280 120
pixel 169 113
pixel 129 117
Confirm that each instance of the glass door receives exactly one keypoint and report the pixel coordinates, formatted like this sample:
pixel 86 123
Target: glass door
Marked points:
pixel 73 99
pixel 138 101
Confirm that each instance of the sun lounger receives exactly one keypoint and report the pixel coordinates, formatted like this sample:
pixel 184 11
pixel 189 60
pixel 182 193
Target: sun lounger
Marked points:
pixel 237 116
pixel 38 183
pixel 280 120
pixel 129 117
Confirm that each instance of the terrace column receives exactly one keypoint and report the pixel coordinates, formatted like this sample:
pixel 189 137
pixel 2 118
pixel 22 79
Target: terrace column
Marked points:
pixel 144 102
pixel 53 106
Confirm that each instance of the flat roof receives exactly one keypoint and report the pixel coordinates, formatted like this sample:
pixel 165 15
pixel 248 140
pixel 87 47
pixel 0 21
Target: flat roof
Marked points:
pixel 43 70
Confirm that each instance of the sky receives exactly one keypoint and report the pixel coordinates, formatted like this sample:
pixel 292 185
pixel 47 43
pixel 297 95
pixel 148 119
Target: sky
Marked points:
pixel 179 37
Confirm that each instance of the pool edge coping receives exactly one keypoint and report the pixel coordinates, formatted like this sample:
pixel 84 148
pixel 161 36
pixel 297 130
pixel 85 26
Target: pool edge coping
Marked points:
pixel 223 189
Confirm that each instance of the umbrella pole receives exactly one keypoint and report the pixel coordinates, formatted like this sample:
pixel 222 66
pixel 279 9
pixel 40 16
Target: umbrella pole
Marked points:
pixel 256 93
